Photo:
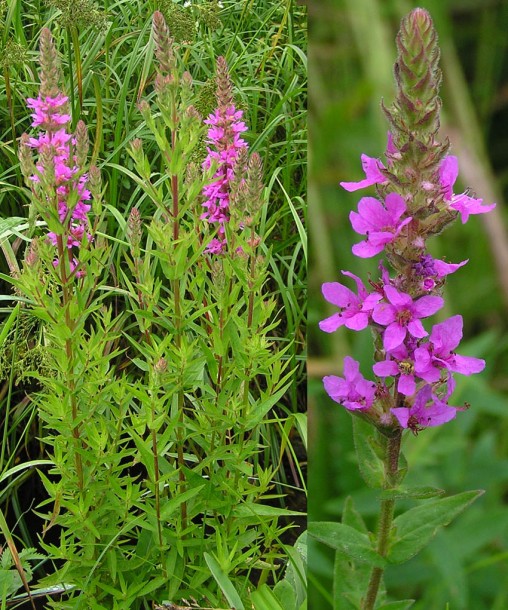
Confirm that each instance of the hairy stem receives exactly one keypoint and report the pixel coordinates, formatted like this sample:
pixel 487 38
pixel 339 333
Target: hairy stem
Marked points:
pixel 385 518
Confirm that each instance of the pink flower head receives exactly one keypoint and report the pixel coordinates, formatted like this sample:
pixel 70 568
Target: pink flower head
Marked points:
pixel 49 111
pixel 399 363
pixel 402 315
pixel 419 415
pixel 353 391
pixel 355 309
pixel 225 144
pixel 372 168
pixel 439 352
pixel 448 172
pixel 380 224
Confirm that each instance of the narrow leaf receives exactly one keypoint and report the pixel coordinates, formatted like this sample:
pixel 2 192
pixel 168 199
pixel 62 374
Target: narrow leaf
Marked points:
pixel 344 538
pixel 224 583
pixel 415 528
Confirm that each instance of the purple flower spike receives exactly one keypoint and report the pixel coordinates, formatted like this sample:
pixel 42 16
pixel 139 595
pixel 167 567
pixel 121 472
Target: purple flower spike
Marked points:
pixel 420 416
pixel 402 315
pixel 448 172
pixel 381 225
pixel 439 353
pixel 372 168
pixel 355 310
pixel 353 391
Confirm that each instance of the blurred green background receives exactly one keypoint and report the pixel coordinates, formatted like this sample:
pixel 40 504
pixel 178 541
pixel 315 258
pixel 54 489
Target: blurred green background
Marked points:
pixel 351 56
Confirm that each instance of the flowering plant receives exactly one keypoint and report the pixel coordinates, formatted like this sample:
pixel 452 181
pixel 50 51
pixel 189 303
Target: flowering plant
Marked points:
pixel 413 368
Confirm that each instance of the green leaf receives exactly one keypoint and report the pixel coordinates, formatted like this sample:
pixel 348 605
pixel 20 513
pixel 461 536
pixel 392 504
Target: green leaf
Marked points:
pixel 346 539
pixel 415 528
pixel 370 465
pixel 351 517
pixel 264 599
pixel 224 583
pixel 285 594
pixel 402 605
pixel 251 509
pixel 170 506
pixel 418 493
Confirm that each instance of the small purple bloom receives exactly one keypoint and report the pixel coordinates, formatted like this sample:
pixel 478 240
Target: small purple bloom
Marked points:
pixel 372 168
pixel 448 172
pixel 380 224
pixel 420 416
pixel 353 391
pixel 439 353
pixel 398 362
pixel 355 309
pixel 402 315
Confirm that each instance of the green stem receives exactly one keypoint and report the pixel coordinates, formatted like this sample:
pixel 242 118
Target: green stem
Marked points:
pixel 385 519
pixel 178 318
pixel 62 252
pixel 156 476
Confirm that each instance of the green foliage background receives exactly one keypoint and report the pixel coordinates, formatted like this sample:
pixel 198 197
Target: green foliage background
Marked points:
pixel 351 58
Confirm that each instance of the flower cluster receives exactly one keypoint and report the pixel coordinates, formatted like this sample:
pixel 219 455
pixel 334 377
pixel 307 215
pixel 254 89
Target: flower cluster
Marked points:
pixel 415 201
pixel 58 174
pixel 224 151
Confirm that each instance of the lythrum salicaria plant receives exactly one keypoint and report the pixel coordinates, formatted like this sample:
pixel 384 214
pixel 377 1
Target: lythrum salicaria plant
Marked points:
pixel 412 379
pixel 159 379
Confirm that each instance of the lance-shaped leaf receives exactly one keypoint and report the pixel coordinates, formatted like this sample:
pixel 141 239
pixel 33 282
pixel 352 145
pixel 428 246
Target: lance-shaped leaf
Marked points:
pixel 415 528
pixel 346 539
pixel 369 461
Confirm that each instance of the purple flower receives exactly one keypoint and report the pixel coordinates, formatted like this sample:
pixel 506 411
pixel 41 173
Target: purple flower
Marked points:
pixel 439 353
pixel 401 315
pixel 420 416
pixel 448 172
pixel 355 309
pixel 226 143
pixel 380 224
pixel 431 269
pixel 49 111
pixel 398 362
pixel 372 168
pixel 353 391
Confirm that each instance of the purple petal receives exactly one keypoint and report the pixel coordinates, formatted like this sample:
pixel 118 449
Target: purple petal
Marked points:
pixel 443 268
pixel 377 238
pixel 362 292
pixel 355 186
pixel 436 414
pixel 386 368
pixel 393 336
pixel 399 299
pixel 351 368
pixel 359 224
pixel 447 335
pixel 339 295
pixel 467 365
pixel 448 172
pixel 358 321
pixel 336 387
pixel 396 206
pixel 427 306
pixel 384 314
pixel 331 324
pixel 406 385
pixel 366 250
pixel 402 415
pixel 415 328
